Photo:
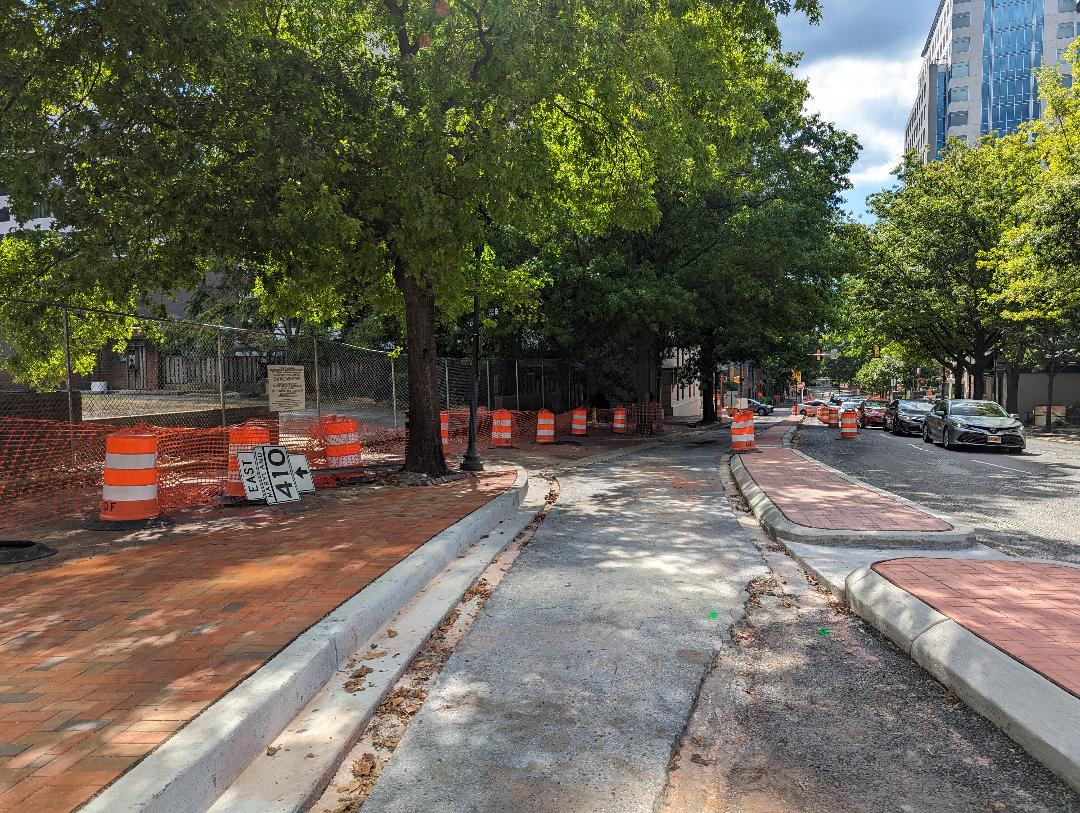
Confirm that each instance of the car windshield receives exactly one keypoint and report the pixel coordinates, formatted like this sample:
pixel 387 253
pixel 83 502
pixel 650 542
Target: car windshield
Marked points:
pixel 978 409
pixel 916 406
pixel 874 404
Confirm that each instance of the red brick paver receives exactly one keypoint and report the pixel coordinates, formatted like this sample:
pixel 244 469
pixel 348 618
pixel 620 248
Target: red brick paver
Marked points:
pixel 1028 610
pixel 103 658
pixel 810 495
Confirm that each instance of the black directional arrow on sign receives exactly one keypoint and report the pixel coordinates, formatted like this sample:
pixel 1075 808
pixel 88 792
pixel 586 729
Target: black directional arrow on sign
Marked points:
pixel 300 472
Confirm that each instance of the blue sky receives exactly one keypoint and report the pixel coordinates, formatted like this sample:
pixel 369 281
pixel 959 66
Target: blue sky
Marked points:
pixel 862 64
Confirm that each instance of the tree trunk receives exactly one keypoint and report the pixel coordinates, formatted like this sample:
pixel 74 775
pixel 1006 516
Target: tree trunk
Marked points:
pixel 1012 388
pixel 1051 374
pixel 706 376
pixel 958 379
pixel 423 452
pixel 978 375
pixel 644 365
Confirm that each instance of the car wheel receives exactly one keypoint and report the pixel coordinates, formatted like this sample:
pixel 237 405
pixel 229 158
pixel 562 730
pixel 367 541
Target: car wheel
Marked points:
pixel 946 441
pixel 926 435
pixel 762 413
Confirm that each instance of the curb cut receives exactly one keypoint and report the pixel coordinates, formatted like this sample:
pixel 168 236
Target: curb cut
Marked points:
pixel 1038 715
pixel 781 528
pixel 191 768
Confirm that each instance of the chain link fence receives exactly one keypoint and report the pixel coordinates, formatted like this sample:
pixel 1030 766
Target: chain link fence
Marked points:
pixel 189 382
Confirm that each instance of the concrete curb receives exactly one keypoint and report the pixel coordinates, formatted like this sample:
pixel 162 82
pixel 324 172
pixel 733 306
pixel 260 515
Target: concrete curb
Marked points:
pixel 315 743
pixel 191 769
pixel 1038 715
pixel 781 528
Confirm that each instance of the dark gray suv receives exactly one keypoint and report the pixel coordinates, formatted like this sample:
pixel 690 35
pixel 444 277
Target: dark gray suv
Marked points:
pixel 962 422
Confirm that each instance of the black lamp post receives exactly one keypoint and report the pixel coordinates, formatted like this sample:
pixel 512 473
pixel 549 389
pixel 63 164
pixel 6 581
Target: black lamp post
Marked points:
pixel 471 461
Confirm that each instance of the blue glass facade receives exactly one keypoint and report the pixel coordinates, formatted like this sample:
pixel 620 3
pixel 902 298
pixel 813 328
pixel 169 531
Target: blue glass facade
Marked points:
pixel 1012 47
pixel 942 108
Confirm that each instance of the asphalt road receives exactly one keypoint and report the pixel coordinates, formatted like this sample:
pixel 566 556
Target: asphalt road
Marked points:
pixel 1023 505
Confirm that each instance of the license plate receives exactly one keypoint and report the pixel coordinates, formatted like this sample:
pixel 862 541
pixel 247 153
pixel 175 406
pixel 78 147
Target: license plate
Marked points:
pixel 993 439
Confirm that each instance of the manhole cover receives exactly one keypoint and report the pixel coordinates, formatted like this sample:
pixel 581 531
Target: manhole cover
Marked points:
pixel 14 551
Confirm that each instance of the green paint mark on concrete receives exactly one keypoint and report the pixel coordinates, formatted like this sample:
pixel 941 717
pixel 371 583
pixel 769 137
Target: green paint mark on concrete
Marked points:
pixel 713 614
pixel 823 631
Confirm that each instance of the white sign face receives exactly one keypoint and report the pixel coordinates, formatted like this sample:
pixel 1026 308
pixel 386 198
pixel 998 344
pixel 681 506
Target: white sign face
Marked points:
pixel 252 475
pixel 302 473
pixel 267 474
pixel 285 386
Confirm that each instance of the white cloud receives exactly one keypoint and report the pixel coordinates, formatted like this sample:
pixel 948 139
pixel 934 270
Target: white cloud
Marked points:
pixel 871 98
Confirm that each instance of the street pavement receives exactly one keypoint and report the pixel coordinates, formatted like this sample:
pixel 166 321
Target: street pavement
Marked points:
pixel 1023 505
pixel 574 685
pixel 583 677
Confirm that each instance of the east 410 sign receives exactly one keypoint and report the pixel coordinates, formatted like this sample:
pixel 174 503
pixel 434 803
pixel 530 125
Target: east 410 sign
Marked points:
pixel 270 473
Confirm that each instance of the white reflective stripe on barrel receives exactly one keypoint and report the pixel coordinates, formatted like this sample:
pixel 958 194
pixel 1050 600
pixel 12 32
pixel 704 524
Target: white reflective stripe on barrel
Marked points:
pixel 347 460
pixel 341 440
pixel 129 493
pixel 130 461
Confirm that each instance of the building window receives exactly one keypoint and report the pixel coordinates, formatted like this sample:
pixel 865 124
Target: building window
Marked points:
pixel 958 119
pixel 1066 6
pixel 5 215
pixel 39 212
pixel 961 45
pixel 960 70
pixel 1066 31
pixel 1066 82
pixel 961 20
pixel 958 94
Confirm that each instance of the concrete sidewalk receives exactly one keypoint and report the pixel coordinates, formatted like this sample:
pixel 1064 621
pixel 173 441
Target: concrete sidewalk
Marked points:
pixel 572 688
pixel 103 658
pixel 1003 634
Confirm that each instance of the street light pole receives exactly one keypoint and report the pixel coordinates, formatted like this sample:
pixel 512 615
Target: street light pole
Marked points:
pixel 471 461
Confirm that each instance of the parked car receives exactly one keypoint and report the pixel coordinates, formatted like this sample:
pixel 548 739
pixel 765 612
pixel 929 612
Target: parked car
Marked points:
pixel 872 413
pixel 810 406
pixel 759 407
pixel 904 417
pixel 963 422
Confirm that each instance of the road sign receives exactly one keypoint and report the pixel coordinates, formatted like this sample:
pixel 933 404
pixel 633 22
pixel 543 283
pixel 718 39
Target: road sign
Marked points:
pixel 302 473
pixel 267 473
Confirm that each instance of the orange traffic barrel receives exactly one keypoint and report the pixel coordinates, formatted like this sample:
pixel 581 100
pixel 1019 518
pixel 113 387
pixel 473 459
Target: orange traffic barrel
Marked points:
pixel 545 426
pixel 823 414
pixel 742 432
pixel 579 422
pixel 242 438
pixel 834 417
pixel 795 408
pixel 618 421
pixel 444 431
pixel 849 425
pixel 342 438
pixel 502 428
pixel 130 489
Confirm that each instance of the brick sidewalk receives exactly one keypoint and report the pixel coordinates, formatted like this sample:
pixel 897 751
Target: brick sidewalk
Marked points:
pixel 814 497
pixel 1027 610
pixel 103 657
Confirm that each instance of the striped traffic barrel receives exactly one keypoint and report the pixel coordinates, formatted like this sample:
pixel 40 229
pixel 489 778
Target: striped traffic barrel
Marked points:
pixel 342 438
pixel 579 422
pixel 618 421
pixel 834 417
pixel 130 489
pixel 742 432
pixel 502 428
pixel 242 438
pixel 545 426
pixel 795 409
pixel 849 425
pixel 823 414
pixel 444 431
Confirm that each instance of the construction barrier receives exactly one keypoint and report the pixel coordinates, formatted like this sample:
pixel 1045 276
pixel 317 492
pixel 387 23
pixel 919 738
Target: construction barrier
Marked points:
pixel 849 425
pixel 823 414
pixel 618 421
pixel 342 441
pixel 742 432
pixel 794 409
pixel 579 424
pixel 130 489
pixel 242 438
pixel 545 426
pixel 502 428
pixel 834 417
pixel 444 431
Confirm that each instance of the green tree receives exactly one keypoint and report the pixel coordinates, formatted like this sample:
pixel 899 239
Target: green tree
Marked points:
pixel 339 147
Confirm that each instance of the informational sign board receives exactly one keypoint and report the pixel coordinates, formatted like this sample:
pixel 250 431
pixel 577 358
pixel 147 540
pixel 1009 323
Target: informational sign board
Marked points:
pixel 270 473
pixel 285 386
